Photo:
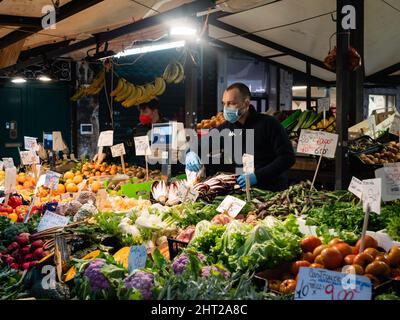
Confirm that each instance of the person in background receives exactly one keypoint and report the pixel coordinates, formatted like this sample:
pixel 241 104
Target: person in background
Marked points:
pixel 149 114
pixel 273 151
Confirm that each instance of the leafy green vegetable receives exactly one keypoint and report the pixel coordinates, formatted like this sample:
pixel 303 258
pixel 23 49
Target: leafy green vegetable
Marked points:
pixel 191 214
pixel 387 296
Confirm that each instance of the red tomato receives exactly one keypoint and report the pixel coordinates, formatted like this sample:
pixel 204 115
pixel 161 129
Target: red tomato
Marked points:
pixel 349 259
pixel 308 244
pixel 316 265
pixel 317 251
pixel 363 259
pixel 344 248
pixel 331 258
pixel 308 256
pixel 296 266
pixel 334 241
pixel 288 286
pixel 369 243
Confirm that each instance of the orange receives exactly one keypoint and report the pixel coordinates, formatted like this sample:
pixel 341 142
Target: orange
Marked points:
pixel 72 187
pixel 95 186
pixel 43 193
pixel 77 179
pixel 60 189
pixel 19 187
pixel 21 179
pixel 69 175
pixel 98 173
pixel 27 184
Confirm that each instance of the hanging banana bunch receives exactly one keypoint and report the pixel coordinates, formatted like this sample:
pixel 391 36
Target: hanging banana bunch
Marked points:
pixel 174 73
pixel 94 88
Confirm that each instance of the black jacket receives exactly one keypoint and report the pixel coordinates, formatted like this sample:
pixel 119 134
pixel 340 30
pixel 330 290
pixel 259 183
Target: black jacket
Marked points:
pixel 273 151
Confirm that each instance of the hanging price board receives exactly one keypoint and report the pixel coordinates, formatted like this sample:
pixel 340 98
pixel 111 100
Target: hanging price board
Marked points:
pixel 322 284
pixel 317 143
pixel 137 258
pixel 118 150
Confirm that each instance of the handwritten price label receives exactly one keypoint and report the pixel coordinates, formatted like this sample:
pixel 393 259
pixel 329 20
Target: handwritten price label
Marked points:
pixel 186 194
pixel 106 139
pixel 323 104
pixel 31 143
pixel 248 163
pixel 372 194
pixel 355 187
pixel 317 143
pixel 142 145
pixel 50 220
pixel 118 150
pixel 137 258
pixel 52 179
pixel 232 205
pixel 390 175
pixel 322 284
pixel 29 157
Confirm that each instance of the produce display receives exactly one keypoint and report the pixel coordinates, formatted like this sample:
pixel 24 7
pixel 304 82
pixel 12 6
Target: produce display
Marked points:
pixel 390 153
pixel 308 120
pixel 193 251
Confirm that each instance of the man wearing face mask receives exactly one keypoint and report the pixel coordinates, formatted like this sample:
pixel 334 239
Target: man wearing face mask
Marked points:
pixel 273 151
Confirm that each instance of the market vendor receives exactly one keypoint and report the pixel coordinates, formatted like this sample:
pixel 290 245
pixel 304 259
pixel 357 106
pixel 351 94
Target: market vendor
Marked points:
pixel 273 151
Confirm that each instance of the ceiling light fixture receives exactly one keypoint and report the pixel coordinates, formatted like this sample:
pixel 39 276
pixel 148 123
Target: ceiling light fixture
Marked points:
pixel 44 78
pixel 18 80
pixel 150 48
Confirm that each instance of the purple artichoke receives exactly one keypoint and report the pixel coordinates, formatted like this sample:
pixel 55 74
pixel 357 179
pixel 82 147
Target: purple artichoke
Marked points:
pixel 180 263
pixel 96 278
pixel 142 281
pixel 206 271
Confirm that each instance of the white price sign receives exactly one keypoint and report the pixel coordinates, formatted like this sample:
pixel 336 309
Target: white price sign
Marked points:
pixel 323 104
pixel 106 139
pixel 118 150
pixel 51 220
pixel 1 165
pixel 372 126
pixel 372 194
pixel 317 143
pixel 322 284
pixel 8 163
pixel 356 187
pixel 390 175
pixel 248 163
pixel 232 205
pixel 9 181
pixel 142 145
pixel 52 179
pixel 29 157
pixel 31 143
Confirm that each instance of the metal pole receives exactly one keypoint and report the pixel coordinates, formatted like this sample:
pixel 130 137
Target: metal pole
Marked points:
pixel 308 80
pixel 343 100
pixel 190 90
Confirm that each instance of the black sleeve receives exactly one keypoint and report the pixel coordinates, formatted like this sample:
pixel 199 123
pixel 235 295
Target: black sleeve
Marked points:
pixel 282 149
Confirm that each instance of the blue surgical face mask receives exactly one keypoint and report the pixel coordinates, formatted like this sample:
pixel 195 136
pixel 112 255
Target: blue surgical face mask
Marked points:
pixel 231 114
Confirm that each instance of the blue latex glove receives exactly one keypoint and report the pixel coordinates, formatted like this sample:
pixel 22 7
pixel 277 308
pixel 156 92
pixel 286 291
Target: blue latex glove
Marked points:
pixel 241 180
pixel 192 162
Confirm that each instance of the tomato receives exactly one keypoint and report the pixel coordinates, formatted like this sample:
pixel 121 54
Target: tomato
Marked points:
pixel 308 256
pixel 6 208
pixel 394 256
pixel 378 268
pixel 382 257
pixel 369 243
pixel 358 269
pixel 296 266
pixel 288 286
pixel 287 276
pixel 318 260
pixel 316 265
pixel 331 258
pixel 344 248
pixel 308 244
pixel 374 280
pixel 317 251
pixel 372 251
pixel 274 285
pixel 349 259
pixel 363 259
pixel 335 241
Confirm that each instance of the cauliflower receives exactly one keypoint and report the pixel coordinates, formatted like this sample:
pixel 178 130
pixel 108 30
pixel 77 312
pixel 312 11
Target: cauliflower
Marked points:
pixel 86 211
pixel 126 227
pixel 180 263
pixel 150 221
pixel 96 278
pixel 209 270
pixel 142 281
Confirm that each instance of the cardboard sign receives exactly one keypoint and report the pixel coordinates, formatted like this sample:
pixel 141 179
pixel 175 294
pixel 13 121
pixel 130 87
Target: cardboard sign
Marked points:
pixel 118 150
pixel 356 187
pixel 52 179
pixel 30 143
pixel 248 163
pixel 58 143
pixel 137 258
pixel 372 193
pixel 322 284
pixel 142 147
pixel 390 175
pixel 317 143
pixel 323 104
pixel 8 163
pixel 9 181
pixel 106 139
pixel 185 193
pixel 29 158
pixel 51 220
pixel 392 124
pixel 232 205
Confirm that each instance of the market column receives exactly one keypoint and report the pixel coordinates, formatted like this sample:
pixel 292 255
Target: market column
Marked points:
pixel 346 15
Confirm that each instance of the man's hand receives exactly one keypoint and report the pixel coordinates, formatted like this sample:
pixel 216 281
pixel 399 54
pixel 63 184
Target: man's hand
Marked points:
pixel 192 162
pixel 241 180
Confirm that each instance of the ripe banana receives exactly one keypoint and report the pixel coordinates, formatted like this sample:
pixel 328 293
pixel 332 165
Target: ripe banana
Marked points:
pixel 181 75
pixel 162 88
pixel 122 91
pixel 99 80
pixel 124 94
pixel 149 89
pixel 78 94
pixel 130 101
pixel 118 88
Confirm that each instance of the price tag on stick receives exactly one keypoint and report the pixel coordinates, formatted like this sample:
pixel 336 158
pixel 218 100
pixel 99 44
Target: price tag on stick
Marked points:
pixel 52 179
pixel 118 151
pixel 8 163
pixel 9 182
pixel 30 143
pixel 372 194
pixel 231 205
pixel 248 168
pixel 356 187
pixel 29 158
